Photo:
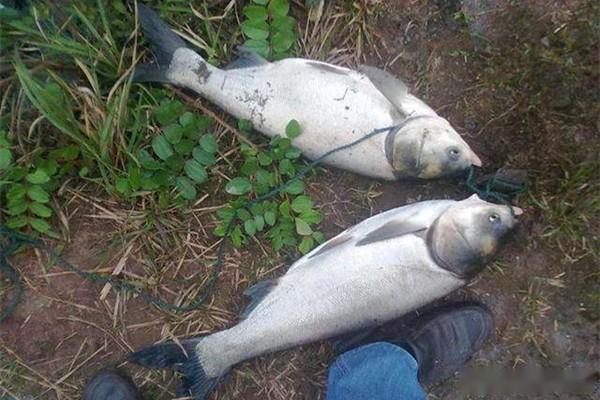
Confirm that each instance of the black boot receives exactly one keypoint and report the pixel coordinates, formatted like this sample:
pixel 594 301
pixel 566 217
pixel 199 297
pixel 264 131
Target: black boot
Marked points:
pixel 441 340
pixel 111 385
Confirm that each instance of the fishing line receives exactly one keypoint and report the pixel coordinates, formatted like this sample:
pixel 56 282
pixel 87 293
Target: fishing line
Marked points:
pixel 496 188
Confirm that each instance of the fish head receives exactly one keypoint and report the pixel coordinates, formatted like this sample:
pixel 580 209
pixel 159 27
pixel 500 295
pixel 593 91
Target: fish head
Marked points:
pixel 428 147
pixel 469 233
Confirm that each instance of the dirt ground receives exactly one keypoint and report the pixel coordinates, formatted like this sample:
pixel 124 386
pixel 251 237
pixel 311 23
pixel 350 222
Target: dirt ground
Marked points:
pixel 63 331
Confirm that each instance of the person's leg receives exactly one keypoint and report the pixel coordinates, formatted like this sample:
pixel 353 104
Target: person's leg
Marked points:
pixel 435 347
pixel 378 371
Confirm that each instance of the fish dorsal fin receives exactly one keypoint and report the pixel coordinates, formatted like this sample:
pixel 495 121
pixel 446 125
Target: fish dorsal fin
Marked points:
pixel 331 244
pixel 390 230
pixel 257 293
pixel 390 86
pixel 246 59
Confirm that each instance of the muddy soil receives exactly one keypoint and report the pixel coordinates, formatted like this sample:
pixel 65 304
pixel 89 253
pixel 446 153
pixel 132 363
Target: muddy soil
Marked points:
pixel 531 289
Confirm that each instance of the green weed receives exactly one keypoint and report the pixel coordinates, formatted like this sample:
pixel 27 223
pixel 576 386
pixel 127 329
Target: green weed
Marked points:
pixel 136 142
pixel 11 378
pixel 177 157
pixel 289 218
pixel 269 30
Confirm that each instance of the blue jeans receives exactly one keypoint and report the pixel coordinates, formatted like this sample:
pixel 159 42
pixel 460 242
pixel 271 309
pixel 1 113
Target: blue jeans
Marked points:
pixel 377 371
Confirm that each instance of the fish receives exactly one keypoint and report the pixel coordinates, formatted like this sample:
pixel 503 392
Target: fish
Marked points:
pixel 334 106
pixel 380 269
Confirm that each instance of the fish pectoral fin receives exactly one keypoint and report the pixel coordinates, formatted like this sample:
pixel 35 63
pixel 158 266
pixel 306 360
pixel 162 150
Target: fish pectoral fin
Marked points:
pixel 246 59
pixel 257 293
pixel 390 86
pixel 392 229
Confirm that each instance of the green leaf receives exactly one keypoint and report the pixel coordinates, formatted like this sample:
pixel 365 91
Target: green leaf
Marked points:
pixel 249 167
pixel 311 216
pixel 292 153
pixel 260 47
pixel 306 244
pixel 292 130
pixel 270 218
pixel 245 124
pixel 39 225
pixel 168 112
pixel 162 148
pixel 184 147
pixel 279 8
pixel 302 227
pixel 148 162
pixel 237 238
pixel 209 143
pixel 68 153
pixel 148 183
pixel 187 118
pixel 256 12
pixel 18 208
pixel 220 230
pixel 186 188
pixel 16 192
pixel 196 171
pixel 243 214
pixel 296 187
pixel 134 177
pixel 255 29
pixel 286 167
pixel 238 186
pixel 122 185
pixel 202 156
pixel 319 237
pixel 264 177
pixel 283 41
pixel 261 2
pixel 162 178
pixel 37 193
pixel 250 227
pixel 175 162
pixel 284 208
pixel 283 23
pixel 17 222
pixel 40 210
pixel 226 213
pixel 173 133
pixel 38 177
pixel 264 159
pixel 5 158
pixel 302 204
pixel 259 221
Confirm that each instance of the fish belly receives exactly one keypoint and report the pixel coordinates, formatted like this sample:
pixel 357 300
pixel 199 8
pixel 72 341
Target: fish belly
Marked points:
pixel 334 106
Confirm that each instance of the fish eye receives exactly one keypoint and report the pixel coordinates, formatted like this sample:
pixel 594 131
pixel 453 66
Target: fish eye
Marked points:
pixel 454 153
pixel 493 217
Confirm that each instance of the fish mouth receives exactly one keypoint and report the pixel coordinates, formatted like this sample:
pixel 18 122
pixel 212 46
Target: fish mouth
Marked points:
pixel 475 160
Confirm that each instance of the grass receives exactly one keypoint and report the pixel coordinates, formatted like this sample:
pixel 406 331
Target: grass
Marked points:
pixel 72 87
pixel 11 377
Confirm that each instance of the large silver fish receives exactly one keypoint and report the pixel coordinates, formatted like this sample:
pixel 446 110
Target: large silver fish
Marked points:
pixel 334 106
pixel 378 270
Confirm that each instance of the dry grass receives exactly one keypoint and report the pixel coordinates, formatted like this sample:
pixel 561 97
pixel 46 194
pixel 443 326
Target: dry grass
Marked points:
pixel 76 327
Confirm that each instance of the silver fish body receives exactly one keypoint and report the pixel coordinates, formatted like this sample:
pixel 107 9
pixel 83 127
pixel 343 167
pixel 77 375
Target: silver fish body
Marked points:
pixel 345 288
pixel 334 106
pixel 378 270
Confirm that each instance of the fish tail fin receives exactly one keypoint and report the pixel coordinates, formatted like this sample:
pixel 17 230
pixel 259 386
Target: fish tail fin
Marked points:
pixel 164 43
pixel 183 357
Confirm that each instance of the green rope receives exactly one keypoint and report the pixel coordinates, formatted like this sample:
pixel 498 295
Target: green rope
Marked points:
pixel 11 241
